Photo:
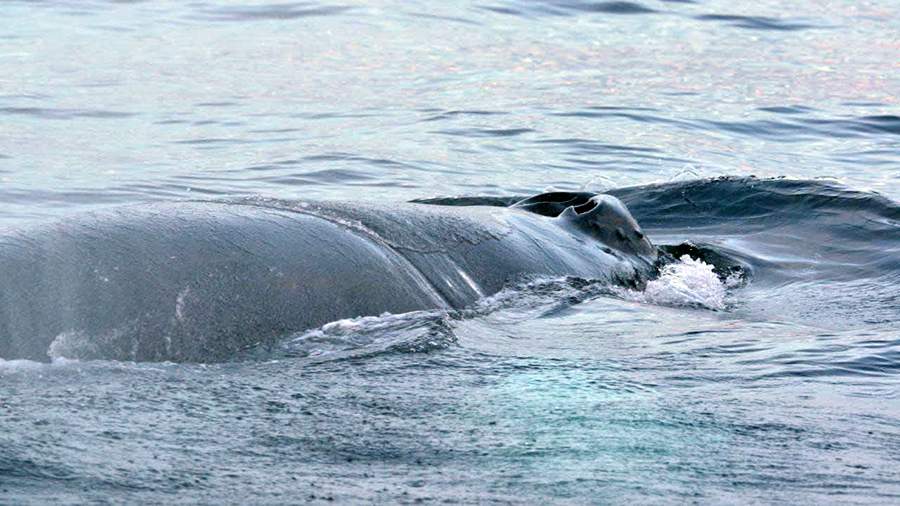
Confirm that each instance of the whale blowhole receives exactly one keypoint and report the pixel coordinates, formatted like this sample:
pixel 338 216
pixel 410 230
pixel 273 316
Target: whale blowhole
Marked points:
pixel 553 204
pixel 586 207
pixel 601 216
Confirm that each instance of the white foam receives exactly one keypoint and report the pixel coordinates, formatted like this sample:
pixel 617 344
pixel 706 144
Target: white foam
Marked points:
pixel 687 283
pixel 21 364
pixel 15 365
pixel 349 325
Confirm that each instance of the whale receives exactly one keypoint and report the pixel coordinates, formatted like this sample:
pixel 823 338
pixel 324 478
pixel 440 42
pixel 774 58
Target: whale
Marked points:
pixel 200 281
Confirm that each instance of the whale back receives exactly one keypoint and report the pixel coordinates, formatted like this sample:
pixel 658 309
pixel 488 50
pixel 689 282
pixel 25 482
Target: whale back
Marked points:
pixel 200 281
pixel 190 282
pixel 467 252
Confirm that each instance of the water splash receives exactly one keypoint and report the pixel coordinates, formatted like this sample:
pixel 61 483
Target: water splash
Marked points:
pixel 24 365
pixel 686 283
pixel 413 332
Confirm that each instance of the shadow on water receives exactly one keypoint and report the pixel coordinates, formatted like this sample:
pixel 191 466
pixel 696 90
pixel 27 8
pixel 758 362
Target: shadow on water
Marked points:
pixel 794 128
pixel 63 114
pixel 266 12
pixel 568 8
pixel 758 22
pixel 531 8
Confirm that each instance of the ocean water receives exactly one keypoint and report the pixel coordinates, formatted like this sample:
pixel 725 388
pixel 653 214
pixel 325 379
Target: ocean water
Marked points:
pixel 758 142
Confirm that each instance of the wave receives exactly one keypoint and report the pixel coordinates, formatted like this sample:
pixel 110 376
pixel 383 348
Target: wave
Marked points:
pixel 811 251
pixel 756 202
pixel 768 224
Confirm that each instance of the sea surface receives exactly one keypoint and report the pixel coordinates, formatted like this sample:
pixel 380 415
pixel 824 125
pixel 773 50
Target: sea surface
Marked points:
pixel 757 141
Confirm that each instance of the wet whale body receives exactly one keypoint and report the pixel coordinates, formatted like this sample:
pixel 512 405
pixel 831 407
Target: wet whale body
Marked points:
pixel 200 281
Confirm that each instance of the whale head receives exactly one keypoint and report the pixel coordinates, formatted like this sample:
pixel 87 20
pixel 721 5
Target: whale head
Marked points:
pixel 602 217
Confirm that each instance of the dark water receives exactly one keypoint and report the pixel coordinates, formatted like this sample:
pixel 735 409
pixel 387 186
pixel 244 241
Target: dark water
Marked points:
pixel 777 381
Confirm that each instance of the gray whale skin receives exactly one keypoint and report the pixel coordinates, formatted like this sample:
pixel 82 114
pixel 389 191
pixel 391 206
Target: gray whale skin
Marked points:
pixel 200 281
